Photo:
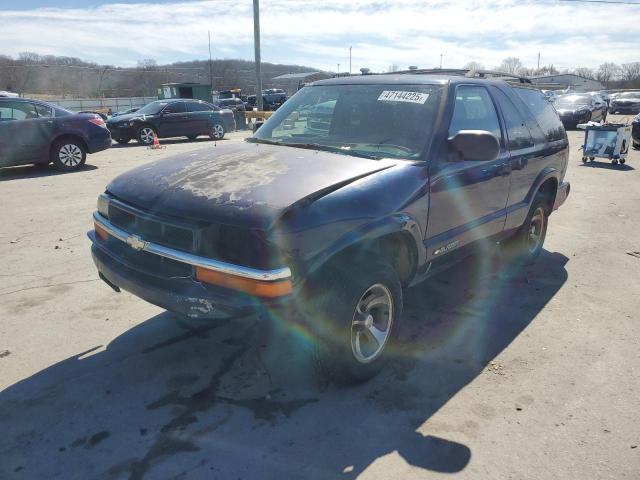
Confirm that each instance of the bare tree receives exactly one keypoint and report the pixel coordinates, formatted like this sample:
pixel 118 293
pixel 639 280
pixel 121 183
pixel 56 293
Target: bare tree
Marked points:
pixel 473 65
pixel 630 71
pixel 585 72
pixel 607 72
pixel 510 65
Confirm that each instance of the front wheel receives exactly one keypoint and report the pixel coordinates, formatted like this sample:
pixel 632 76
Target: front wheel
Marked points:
pixel 217 132
pixel 355 320
pixel 146 135
pixel 526 244
pixel 68 155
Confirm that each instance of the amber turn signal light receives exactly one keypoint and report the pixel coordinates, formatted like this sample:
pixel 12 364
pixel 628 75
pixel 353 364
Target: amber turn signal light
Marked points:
pixel 258 288
pixel 100 232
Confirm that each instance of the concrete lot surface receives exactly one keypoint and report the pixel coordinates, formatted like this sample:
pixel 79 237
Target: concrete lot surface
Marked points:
pixel 531 374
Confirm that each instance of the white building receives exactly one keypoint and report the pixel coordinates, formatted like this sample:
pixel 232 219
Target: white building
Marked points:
pixel 562 81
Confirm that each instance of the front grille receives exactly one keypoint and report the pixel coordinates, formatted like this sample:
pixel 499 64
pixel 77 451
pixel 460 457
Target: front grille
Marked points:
pixel 148 262
pixel 152 229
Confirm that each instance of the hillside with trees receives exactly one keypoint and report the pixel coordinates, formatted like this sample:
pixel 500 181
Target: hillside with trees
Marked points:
pixel 48 75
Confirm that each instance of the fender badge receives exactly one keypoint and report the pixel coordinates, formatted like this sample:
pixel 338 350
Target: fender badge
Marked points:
pixel 447 247
pixel 135 242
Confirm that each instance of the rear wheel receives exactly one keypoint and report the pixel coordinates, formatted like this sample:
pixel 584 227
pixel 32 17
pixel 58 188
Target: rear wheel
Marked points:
pixel 217 132
pixel 355 320
pixel 146 134
pixel 527 243
pixel 68 154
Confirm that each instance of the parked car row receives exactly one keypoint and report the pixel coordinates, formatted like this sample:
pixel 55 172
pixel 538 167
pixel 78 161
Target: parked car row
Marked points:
pixel 578 108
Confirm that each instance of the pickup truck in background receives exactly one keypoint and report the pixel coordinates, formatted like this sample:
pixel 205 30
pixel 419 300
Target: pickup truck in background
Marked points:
pixel 326 222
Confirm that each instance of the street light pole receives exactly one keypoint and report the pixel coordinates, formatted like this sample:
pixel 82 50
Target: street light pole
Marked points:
pixel 210 63
pixel 338 69
pixel 350 59
pixel 256 44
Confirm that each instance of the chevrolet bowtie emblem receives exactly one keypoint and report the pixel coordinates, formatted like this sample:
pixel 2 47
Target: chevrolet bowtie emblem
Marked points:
pixel 135 242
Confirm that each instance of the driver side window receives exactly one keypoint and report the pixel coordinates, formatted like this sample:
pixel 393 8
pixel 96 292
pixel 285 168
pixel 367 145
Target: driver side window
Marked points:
pixel 175 107
pixel 474 110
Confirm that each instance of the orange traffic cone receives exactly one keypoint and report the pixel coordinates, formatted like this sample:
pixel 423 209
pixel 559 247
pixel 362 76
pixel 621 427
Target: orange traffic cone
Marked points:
pixel 156 143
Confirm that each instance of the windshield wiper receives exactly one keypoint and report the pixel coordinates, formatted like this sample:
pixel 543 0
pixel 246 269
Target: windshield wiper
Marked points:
pixel 315 146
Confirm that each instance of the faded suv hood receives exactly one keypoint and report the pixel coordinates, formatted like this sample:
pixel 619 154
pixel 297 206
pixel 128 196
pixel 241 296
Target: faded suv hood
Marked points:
pixel 242 184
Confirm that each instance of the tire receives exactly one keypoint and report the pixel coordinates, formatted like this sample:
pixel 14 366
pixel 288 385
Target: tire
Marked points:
pixel 192 137
pixel 526 244
pixel 123 141
pixel 145 135
pixel 354 307
pixel 217 132
pixel 68 154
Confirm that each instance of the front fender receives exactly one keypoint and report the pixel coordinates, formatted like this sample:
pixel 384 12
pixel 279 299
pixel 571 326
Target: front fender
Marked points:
pixel 367 234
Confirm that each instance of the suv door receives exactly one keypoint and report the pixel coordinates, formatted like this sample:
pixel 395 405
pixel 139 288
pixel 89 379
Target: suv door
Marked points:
pixel 173 120
pixel 468 198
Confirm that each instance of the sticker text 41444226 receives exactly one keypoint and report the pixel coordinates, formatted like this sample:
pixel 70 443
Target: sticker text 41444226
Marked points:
pixel 399 96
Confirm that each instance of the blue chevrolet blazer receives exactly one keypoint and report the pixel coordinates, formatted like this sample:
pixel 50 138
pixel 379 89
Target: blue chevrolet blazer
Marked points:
pixel 356 188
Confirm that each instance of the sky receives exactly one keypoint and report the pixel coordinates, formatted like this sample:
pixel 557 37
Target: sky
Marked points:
pixel 318 34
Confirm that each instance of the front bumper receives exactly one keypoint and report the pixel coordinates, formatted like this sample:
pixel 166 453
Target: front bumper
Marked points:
pixel 561 195
pixel 574 118
pixel 123 132
pixel 183 295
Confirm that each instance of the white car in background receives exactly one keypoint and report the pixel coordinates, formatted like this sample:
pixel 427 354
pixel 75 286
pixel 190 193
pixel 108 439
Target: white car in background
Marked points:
pixel 4 93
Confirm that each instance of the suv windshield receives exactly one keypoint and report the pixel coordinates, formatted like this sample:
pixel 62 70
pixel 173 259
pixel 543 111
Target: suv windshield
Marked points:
pixel 574 100
pixel 365 120
pixel 152 108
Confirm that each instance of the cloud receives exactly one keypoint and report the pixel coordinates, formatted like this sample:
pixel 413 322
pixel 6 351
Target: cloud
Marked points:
pixel 318 34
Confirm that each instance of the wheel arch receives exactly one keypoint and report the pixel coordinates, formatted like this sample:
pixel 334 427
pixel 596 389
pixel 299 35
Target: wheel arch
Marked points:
pixel 396 239
pixel 68 136
pixel 546 183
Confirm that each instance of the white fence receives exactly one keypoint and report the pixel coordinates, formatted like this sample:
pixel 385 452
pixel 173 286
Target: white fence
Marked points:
pixel 115 104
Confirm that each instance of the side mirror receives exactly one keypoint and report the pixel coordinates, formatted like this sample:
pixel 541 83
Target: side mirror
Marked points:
pixel 475 145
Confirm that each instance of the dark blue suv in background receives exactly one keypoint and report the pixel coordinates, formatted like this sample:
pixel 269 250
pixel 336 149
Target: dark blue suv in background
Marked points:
pixel 32 131
pixel 355 189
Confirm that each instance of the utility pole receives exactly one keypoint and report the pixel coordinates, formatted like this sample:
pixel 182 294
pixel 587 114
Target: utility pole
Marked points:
pixel 210 62
pixel 538 71
pixel 338 69
pixel 440 61
pixel 256 45
pixel 350 59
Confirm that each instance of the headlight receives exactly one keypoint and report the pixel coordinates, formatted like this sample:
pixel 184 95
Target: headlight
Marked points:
pixel 103 205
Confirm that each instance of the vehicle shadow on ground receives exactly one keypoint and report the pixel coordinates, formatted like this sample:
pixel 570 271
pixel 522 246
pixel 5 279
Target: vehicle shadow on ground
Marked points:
pixel 167 141
pixel 607 166
pixel 37 171
pixel 172 398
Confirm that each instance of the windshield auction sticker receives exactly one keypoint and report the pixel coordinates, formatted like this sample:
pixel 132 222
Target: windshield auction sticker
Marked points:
pixel 398 96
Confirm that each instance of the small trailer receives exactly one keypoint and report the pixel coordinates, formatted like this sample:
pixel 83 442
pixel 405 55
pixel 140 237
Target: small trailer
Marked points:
pixel 606 140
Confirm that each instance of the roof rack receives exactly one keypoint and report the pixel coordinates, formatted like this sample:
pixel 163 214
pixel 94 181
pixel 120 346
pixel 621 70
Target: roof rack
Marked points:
pixel 463 72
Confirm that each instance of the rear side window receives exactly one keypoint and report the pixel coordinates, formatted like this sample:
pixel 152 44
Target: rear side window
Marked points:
pixel 544 113
pixel 517 130
pixel 198 107
pixel 44 111
pixel 175 107
pixel 474 110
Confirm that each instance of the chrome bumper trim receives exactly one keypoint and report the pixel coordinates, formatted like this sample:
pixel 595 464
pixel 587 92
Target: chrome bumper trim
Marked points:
pixel 138 243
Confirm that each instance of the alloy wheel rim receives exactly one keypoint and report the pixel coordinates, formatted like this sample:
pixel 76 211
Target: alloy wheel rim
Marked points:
pixel 371 323
pixel 536 230
pixel 70 155
pixel 218 131
pixel 147 135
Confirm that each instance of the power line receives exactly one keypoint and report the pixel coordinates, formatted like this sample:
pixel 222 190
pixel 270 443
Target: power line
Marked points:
pixel 615 2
